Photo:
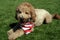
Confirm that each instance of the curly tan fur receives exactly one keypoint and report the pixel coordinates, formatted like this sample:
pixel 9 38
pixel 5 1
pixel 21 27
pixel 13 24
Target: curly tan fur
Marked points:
pixel 26 8
pixel 13 35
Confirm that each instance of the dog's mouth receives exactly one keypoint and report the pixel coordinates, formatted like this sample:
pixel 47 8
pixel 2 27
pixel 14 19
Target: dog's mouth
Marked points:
pixel 22 20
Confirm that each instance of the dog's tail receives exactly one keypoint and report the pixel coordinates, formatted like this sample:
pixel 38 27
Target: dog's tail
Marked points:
pixel 56 16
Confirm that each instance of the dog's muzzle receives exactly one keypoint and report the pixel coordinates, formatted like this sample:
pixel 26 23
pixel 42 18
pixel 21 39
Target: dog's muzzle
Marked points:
pixel 22 20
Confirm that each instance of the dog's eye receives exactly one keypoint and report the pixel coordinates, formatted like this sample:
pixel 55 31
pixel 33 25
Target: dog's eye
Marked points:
pixel 26 13
pixel 19 11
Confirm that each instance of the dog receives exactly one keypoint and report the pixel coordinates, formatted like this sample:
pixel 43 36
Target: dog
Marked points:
pixel 26 11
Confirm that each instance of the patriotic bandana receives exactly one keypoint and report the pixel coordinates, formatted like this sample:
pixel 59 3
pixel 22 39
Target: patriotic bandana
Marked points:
pixel 27 27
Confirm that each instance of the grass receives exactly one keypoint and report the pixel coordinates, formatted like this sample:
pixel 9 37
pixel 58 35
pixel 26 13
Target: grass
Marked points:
pixel 44 32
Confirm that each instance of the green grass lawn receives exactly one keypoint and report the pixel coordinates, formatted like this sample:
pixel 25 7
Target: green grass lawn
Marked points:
pixel 44 32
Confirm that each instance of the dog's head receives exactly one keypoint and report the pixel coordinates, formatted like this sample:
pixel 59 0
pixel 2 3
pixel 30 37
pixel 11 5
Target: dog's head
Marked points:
pixel 25 11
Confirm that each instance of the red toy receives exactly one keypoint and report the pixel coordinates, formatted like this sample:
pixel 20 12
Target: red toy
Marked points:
pixel 27 27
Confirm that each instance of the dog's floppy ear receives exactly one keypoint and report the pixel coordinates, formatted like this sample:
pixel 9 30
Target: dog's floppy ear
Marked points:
pixel 33 15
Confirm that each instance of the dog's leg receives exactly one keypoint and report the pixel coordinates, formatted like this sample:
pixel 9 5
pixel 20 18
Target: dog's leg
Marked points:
pixel 16 34
pixel 48 18
pixel 32 29
pixel 10 32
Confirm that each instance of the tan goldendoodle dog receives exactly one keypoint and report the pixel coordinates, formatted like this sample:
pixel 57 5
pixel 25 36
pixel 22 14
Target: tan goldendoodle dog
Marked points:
pixel 27 11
